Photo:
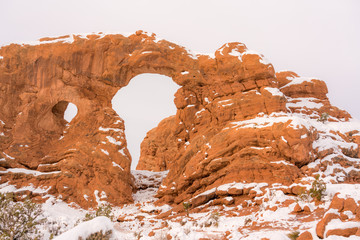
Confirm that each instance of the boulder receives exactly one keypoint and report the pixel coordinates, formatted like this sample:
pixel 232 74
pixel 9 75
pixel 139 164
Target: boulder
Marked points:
pixel 350 205
pixel 347 232
pixel 305 236
pixel 321 225
pixel 337 203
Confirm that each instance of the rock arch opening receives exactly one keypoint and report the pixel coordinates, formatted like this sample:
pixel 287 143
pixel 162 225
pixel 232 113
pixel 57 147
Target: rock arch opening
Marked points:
pixel 65 110
pixel 143 103
pixel 70 112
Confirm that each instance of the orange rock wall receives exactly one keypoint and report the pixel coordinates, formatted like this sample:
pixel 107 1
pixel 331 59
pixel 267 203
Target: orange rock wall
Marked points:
pixel 87 160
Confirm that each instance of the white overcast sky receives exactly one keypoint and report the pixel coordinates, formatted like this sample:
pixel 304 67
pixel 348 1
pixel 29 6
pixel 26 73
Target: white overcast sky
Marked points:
pixel 315 38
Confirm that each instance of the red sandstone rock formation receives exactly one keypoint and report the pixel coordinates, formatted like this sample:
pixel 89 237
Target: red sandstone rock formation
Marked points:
pixel 236 121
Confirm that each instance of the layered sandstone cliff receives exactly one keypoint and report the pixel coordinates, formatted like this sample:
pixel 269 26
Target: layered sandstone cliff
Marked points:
pixel 237 121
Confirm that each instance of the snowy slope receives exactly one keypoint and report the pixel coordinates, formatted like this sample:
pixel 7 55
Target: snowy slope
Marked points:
pixel 273 218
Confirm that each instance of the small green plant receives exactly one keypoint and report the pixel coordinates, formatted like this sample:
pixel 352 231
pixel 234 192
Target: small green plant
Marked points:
pixel 18 220
pixel 318 188
pixel 324 117
pixel 293 235
pixel 102 210
pixel 186 206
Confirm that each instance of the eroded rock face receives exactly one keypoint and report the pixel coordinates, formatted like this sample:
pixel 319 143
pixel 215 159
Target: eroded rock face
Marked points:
pixel 266 133
pixel 236 120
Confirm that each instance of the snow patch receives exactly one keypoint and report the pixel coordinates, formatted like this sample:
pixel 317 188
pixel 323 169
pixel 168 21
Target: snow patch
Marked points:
pixel 274 91
pixel 110 129
pixel 104 151
pixel 262 59
pixel 254 186
pixel 122 152
pixel 298 80
pixel 146 52
pixel 283 162
pixel 304 102
pixel 70 38
pixel 236 53
pixel 208 192
pixel 296 121
pixel 83 230
pixel 345 190
pixel 117 165
pixel 113 140
pixel 27 171
pixel 338 224
pixel 6 187
pixel 198 113
pixel 225 103
pixel 8 156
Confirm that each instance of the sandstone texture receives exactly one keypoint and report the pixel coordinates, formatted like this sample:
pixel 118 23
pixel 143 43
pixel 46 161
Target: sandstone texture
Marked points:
pixel 239 126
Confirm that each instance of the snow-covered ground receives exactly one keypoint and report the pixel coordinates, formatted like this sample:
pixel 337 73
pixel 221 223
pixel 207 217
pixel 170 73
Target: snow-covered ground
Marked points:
pixel 271 216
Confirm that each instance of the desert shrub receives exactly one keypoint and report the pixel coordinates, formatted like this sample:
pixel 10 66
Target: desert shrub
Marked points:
pixel 304 195
pixel 318 188
pixel 187 230
pixel 99 236
pixel 186 206
pixel 138 235
pixel 183 221
pixel 247 221
pixel 102 210
pixel 324 117
pixel 163 235
pixel 55 228
pixel 18 220
pixel 293 235
pixel 213 220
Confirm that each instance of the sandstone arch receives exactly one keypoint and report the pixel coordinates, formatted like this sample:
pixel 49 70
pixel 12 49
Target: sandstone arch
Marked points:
pixel 90 156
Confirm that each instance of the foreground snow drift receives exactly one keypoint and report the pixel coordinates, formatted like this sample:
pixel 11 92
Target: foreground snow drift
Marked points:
pixel 85 229
pixel 272 214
